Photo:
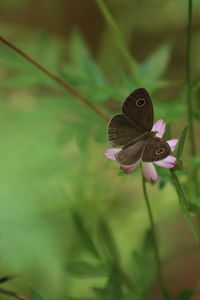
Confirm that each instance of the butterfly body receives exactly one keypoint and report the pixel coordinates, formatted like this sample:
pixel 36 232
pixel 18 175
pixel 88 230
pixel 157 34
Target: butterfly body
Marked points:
pixel 131 131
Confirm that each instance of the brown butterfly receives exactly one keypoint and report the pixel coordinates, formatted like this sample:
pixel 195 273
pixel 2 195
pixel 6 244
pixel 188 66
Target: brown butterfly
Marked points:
pixel 131 131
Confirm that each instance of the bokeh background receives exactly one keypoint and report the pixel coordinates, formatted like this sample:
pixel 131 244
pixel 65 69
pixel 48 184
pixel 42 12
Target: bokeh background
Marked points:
pixel 55 182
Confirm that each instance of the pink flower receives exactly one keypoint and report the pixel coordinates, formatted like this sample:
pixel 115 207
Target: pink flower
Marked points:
pixel 148 169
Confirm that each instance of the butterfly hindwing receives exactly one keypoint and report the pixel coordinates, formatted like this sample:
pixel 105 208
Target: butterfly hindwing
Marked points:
pixel 131 154
pixel 121 131
pixel 155 149
pixel 138 108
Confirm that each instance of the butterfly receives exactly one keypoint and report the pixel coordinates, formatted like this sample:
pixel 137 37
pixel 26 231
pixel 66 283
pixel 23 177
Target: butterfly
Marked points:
pixel 131 131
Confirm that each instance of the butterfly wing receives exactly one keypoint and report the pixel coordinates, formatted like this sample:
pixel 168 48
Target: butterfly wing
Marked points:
pixel 121 131
pixel 131 154
pixel 155 149
pixel 138 109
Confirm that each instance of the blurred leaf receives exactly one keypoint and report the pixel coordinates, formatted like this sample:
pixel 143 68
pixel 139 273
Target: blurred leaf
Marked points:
pixel 155 65
pixel 183 200
pixel 78 298
pixel 144 270
pixel 8 278
pixel 81 136
pixel 181 143
pixel 48 52
pixel 23 80
pixel 35 295
pixel 184 204
pixel 164 110
pixel 168 132
pixel 196 88
pixel 163 172
pixel 77 48
pixel 107 240
pixel 84 235
pixel 196 115
pixel 148 241
pixel 44 50
pixel 117 36
pixel 186 294
pixel 163 181
pixel 113 287
pixel 164 176
pixel 195 160
pixel 85 269
pixel 84 72
pixel 166 294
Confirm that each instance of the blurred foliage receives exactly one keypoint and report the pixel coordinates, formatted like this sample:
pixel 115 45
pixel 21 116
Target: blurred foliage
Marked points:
pixel 68 223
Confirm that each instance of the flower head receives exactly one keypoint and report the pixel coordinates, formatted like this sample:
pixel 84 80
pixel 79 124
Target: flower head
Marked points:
pixel 148 168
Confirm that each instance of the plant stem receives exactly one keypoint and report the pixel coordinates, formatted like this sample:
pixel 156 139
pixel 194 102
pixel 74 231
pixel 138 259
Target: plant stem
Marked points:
pixel 13 294
pixel 155 246
pixel 189 79
pixel 119 40
pixel 60 81
pixel 189 95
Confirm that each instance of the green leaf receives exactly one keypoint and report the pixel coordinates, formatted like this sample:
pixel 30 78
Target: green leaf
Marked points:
pixel 7 278
pixel 186 294
pixel 117 36
pixel 84 235
pixel 84 72
pixel 168 132
pixel 181 143
pixel 195 160
pixel 163 109
pixel 154 66
pixel 35 295
pixel 107 241
pixel 85 269
pixel 184 204
pixel 163 181
pixel 78 298
pixel 196 115
pixel 80 136
pixel 144 271
pixel 77 48
pixel 113 287
pixel 148 241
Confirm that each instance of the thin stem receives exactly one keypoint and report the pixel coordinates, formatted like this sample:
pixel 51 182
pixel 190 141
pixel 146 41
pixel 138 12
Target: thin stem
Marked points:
pixel 155 246
pixel 60 81
pixel 119 40
pixel 189 79
pixel 189 95
pixel 13 294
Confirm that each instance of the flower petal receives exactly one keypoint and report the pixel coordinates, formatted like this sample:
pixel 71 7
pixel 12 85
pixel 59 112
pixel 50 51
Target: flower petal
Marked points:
pixel 129 169
pixel 167 162
pixel 110 153
pixel 159 127
pixel 172 144
pixel 149 171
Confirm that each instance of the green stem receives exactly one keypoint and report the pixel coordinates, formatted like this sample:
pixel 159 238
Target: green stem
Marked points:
pixel 120 41
pixel 189 79
pixel 189 95
pixel 155 246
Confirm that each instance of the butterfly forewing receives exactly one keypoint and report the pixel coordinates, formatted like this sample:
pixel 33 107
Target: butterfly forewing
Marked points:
pixel 138 108
pixel 155 149
pixel 121 131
